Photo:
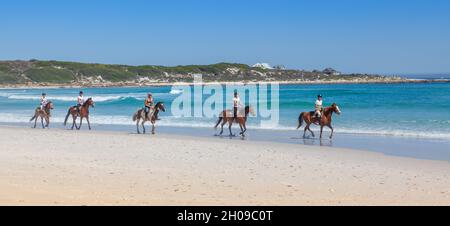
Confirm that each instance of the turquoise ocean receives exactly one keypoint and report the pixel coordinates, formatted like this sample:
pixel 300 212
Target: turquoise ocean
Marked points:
pixel 411 110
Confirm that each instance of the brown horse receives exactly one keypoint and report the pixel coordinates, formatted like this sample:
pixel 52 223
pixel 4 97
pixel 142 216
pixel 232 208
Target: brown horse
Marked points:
pixel 228 116
pixel 325 120
pixel 83 113
pixel 140 115
pixel 43 114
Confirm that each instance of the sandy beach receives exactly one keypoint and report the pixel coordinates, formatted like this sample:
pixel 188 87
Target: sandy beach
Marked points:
pixel 59 167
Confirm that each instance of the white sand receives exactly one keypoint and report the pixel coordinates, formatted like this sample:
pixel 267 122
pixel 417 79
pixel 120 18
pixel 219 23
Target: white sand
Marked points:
pixel 58 167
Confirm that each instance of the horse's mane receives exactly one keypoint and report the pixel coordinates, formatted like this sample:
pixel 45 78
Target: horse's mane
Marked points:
pixel 87 101
pixel 328 109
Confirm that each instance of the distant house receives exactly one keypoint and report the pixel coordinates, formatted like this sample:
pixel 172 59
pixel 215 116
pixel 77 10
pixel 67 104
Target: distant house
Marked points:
pixel 263 66
pixel 279 67
pixel 331 71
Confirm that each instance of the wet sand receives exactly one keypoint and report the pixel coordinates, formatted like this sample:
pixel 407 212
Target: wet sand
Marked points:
pixel 60 167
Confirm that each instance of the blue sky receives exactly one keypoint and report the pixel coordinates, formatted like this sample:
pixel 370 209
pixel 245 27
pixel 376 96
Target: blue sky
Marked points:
pixel 374 36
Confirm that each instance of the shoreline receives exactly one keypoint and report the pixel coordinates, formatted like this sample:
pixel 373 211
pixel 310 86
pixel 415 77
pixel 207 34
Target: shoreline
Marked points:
pixel 57 167
pixel 159 84
pixel 391 145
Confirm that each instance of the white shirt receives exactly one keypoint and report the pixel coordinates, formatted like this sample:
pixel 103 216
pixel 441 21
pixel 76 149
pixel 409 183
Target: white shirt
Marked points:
pixel 236 102
pixel 80 100
pixel 319 104
pixel 44 101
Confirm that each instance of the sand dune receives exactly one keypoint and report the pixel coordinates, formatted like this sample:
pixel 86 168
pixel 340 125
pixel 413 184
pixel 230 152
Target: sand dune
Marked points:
pixel 59 167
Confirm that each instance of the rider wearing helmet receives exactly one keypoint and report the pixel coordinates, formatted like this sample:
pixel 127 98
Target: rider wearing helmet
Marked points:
pixel 148 104
pixel 318 107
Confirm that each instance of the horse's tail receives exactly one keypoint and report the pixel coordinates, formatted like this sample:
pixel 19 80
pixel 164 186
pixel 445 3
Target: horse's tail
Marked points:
pixel 135 116
pixel 218 122
pixel 300 120
pixel 67 117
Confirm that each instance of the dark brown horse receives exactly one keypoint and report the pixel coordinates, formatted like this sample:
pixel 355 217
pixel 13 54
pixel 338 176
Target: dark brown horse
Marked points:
pixel 325 120
pixel 43 114
pixel 228 116
pixel 141 115
pixel 83 113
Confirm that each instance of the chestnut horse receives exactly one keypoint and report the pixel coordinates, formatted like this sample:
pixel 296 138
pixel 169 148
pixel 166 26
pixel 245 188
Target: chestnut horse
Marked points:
pixel 43 114
pixel 325 120
pixel 84 113
pixel 140 115
pixel 228 116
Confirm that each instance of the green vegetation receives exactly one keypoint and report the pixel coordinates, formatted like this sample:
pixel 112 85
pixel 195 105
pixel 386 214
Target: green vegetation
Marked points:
pixel 50 75
pixel 6 78
pixel 58 72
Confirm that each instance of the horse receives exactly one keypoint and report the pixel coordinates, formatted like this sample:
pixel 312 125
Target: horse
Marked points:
pixel 141 115
pixel 43 114
pixel 228 116
pixel 325 120
pixel 83 113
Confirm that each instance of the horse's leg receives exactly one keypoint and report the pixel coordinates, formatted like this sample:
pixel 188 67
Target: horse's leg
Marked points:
pixel 245 128
pixel 42 122
pixel 321 131
pixel 81 123
pixel 304 132
pixel 223 124
pixel 35 121
pixel 309 128
pixel 242 129
pixel 332 131
pixel 229 128
pixel 46 122
pixel 89 123
pixel 74 118
pixel 137 126
pixel 143 126
pixel 153 128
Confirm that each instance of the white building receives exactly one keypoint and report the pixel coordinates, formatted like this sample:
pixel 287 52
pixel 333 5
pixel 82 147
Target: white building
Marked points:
pixel 263 66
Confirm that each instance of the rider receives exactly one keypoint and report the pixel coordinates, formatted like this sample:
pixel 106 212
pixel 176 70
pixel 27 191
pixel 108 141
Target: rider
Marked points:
pixel 318 107
pixel 236 104
pixel 44 101
pixel 80 101
pixel 149 105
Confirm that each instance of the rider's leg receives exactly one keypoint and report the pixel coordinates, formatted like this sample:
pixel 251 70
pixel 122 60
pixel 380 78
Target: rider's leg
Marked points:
pixel 146 110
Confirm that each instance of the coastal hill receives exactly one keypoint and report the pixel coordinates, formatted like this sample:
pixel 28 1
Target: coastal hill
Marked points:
pixel 48 73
